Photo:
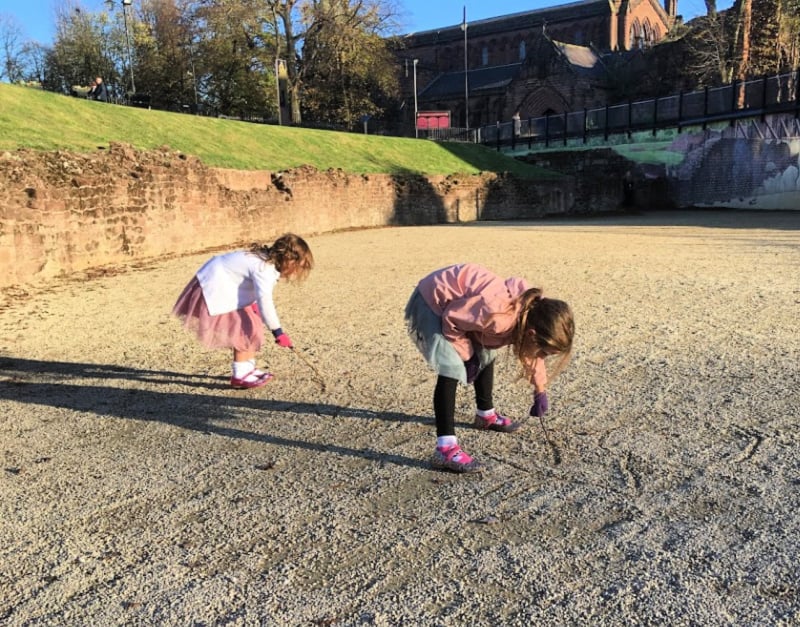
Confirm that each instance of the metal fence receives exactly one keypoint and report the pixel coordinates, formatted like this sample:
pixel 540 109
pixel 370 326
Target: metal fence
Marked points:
pixel 451 133
pixel 740 99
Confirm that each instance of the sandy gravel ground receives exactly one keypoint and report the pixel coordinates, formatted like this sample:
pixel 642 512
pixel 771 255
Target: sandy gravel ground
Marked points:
pixel 136 488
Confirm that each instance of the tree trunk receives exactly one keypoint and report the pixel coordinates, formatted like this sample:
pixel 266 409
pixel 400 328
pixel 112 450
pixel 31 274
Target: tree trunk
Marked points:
pixel 284 11
pixel 744 27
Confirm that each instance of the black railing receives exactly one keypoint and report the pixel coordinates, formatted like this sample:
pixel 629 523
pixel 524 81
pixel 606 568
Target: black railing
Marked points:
pixel 740 99
pixel 451 133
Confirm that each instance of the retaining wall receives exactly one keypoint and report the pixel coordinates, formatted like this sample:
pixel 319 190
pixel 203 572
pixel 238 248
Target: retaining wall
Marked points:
pixel 62 212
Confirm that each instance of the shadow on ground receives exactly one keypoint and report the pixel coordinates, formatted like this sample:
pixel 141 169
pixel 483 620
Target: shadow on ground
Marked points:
pixel 20 381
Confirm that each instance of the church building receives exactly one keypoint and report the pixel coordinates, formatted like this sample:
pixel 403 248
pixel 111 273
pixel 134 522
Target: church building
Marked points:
pixel 533 62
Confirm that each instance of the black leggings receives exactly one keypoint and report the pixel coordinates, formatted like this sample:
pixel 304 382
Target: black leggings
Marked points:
pixel 444 399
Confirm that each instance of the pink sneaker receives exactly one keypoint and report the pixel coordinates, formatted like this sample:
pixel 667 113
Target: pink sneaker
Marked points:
pixel 496 422
pixel 253 379
pixel 453 458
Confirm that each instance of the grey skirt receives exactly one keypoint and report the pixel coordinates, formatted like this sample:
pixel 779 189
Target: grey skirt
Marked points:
pixel 425 330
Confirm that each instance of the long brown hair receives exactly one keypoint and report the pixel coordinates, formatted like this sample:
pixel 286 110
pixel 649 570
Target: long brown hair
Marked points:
pixel 552 326
pixel 288 252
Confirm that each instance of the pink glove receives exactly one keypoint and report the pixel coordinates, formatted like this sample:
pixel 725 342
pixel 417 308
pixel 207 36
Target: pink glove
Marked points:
pixel 284 341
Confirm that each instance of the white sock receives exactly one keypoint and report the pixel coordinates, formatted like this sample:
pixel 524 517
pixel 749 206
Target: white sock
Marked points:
pixel 243 368
pixel 485 413
pixel 446 441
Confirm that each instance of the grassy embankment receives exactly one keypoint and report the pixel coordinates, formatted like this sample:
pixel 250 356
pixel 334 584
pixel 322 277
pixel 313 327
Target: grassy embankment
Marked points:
pixel 30 118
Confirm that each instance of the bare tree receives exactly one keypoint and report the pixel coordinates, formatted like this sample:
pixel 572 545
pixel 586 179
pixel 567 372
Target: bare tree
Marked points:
pixel 80 50
pixel 707 41
pixel 11 49
pixel 35 62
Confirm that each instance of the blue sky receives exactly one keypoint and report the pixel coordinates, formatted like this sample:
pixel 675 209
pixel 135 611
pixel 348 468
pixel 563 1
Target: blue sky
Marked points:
pixel 36 18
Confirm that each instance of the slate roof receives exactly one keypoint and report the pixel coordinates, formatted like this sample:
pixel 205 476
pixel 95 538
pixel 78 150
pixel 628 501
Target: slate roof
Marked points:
pixel 504 23
pixel 584 61
pixel 449 84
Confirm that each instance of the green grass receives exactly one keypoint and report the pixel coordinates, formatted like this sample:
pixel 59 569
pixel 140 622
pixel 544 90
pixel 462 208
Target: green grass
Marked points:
pixel 655 153
pixel 31 118
pixel 641 147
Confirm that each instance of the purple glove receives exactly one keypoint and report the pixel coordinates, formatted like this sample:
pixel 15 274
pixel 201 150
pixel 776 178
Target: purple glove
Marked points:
pixel 473 366
pixel 540 404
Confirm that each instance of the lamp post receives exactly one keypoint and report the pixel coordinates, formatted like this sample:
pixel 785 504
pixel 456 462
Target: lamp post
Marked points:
pixel 194 87
pixel 416 130
pixel 280 69
pixel 466 70
pixel 194 79
pixel 125 5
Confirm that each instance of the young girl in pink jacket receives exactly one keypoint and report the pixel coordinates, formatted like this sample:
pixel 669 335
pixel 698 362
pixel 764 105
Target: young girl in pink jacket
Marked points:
pixel 458 316
pixel 229 302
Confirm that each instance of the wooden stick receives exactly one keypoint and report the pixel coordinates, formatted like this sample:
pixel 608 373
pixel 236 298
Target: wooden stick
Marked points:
pixel 305 360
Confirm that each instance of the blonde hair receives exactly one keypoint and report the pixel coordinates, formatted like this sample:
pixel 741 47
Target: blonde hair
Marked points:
pixel 552 326
pixel 289 252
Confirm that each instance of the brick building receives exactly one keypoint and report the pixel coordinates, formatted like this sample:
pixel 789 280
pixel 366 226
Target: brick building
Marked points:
pixel 535 62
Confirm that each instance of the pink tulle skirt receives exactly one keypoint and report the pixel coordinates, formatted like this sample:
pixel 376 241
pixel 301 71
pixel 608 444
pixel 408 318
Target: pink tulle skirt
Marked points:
pixel 241 330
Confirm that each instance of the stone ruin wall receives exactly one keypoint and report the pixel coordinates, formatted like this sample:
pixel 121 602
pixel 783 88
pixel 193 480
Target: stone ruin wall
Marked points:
pixel 63 213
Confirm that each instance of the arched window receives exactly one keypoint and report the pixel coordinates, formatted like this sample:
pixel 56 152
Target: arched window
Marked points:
pixel 485 55
pixel 635 40
pixel 522 50
pixel 647 34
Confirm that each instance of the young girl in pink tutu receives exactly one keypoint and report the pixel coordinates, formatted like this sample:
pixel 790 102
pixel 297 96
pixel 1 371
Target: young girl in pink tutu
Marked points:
pixel 458 316
pixel 229 302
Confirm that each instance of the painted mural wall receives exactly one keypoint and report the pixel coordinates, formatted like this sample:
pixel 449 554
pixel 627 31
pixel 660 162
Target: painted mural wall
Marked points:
pixel 738 167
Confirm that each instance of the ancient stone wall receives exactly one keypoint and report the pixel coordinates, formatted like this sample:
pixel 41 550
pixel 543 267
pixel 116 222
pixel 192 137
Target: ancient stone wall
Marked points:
pixel 62 212
pixel 599 176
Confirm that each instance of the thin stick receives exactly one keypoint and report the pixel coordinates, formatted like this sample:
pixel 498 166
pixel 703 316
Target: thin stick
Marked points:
pixel 550 443
pixel 546 433
pixel 305 360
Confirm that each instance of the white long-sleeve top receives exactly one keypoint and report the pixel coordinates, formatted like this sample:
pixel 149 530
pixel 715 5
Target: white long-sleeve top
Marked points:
pixel 237 279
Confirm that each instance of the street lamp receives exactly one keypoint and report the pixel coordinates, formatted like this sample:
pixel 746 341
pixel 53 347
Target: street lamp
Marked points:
pixel 466 70
pixel 125 5
pixel 416 129
pixel 281 73
pixel 194 78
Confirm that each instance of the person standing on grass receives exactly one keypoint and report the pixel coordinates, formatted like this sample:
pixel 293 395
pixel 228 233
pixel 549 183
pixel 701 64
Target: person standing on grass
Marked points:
pixel 229 302
pixel 517 121
pixel 457 317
